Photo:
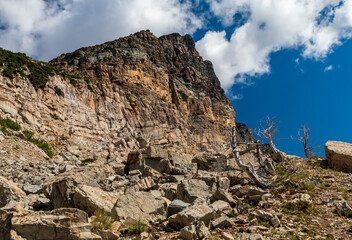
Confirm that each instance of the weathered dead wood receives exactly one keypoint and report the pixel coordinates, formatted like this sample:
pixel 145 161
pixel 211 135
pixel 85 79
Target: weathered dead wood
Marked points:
pixel 308 145
pixel 250 168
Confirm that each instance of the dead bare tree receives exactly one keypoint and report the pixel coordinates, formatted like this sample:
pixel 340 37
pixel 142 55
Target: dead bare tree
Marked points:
pixel 304 138
pixel 268 130
pixel 250 168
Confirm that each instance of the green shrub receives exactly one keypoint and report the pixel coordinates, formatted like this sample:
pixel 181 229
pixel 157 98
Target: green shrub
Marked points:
pixel 101 221
pixel 39 72
pixel 264 222
pixel 138 227
pixel 300 206
pixel 88 160
pixel 39 142
pixel 8 123
pixel 90 88
pixel 59 92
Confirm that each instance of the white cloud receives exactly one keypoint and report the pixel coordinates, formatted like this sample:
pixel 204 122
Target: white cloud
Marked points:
pixel 273 25
pixel 328 68
pixel 47 28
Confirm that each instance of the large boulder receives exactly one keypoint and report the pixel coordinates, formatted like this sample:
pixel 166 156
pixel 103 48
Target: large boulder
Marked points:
pixel 199 212
pixel 176 206
pixel 339 155
pixel 60 224
pixel 9 192
pixel 81 188
pixel 143 206
pixel 93 199
pixel 209 162
pixel 190 190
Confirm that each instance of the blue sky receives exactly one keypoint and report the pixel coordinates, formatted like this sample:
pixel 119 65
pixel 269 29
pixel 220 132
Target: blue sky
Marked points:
pixel 284 58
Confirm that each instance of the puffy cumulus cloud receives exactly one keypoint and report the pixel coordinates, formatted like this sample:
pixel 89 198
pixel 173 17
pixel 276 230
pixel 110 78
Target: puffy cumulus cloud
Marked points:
pixel 46 28
pixel 315 26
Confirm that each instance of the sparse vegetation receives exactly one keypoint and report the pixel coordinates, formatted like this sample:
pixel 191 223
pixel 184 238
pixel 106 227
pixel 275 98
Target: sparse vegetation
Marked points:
pixel 298 206
pixel 59 92
pixel 101 221
pixel 88 160
pixel 39 142
pixel 138 227
pixel 39 72
pixel 90 88
pixel 8 123
pixel 264 222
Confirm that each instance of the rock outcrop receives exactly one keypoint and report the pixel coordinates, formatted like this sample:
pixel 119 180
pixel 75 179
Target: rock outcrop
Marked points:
pixel 339 155
pixel 130 92
pixel 64 223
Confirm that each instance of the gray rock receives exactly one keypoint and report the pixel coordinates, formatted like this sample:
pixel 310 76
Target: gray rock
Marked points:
pixel 206 162
pixel 194 232
pixel 190 190
pixel 32 189
pixel 221 207
pixel 197 212
pixel 176 206
pixel 140 205
pixel 221 222
pixel 223 195
pixel 343 209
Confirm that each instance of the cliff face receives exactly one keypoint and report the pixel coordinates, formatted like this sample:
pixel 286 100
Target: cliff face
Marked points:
pixel 129 91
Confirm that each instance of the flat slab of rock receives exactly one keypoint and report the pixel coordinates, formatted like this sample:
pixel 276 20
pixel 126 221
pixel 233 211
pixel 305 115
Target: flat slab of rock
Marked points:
pixel 140 205
pixel 63 223
pixel 199 212
pixel 339 155
pixel 176 206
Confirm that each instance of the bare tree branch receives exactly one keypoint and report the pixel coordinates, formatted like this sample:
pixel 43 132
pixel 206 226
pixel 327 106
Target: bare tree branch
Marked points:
pixel 304 138
pixel 250 168
pixel 268 130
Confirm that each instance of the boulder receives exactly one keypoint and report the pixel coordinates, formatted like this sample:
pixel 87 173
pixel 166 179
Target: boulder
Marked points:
pixel 250 192
pixel 207 162
pixel 221 207
pixel 9 192
pixel 32 189
pixel 81 183
pixel 197 212
pixel 64 223
pixel 190 190
pixel 221 222
pixel 176 206
pixel 168 190
pixel 143 206
pixel 93 199
pixel 194 232
pixel 339 155
pixel 272 218
pixel 223 195
pixel 343 209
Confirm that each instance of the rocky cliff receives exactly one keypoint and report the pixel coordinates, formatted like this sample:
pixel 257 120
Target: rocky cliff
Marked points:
pixel 122 95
